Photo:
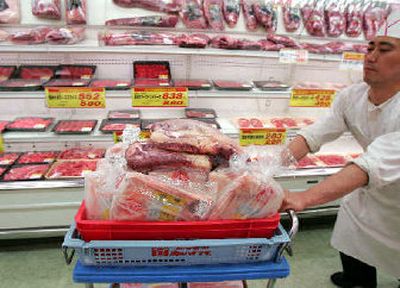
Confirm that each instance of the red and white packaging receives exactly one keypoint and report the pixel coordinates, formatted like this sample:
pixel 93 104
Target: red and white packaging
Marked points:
pixel 76 71
pixel 26 172
pixel 152 83
pixel 75 11
pixel 8 158
pixel 313 18
pixel 71 169
pixel 231 10
pixel 250 123
pixel 82 153
pixel 3 125
pixel 30 124
pixel 38 157
pixel 10 12
pixel 249 15
pixel 75 126
pixel 49 9
pixel 224 284
pixel 110 126
pixel 266 15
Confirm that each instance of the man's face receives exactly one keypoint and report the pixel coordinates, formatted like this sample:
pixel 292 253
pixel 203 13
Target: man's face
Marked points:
pixel 382 62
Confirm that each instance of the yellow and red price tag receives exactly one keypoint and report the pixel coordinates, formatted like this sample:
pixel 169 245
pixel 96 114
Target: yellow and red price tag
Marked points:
pixel 1 143
pixel 293 56
pixel 117 136
pixel 75 97
pixel 352 61
pixel 264 136
pixel 160 97
pixel 312 98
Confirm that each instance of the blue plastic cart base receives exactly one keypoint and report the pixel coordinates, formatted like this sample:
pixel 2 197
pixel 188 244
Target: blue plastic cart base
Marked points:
pixel 181 274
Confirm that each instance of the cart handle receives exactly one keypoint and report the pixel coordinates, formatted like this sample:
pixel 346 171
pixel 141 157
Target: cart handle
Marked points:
pixel 292 232
pixel 68 257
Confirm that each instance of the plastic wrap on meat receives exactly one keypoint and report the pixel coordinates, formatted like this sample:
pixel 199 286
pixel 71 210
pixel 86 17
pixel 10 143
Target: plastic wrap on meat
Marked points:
pixel 245 44
pixel 8 158
pixel 192 14
pixel 314 48
pixel 285 122
pixel 36 72
pixel 75 11
pixel 267 45
pixel 231 9
pixel 195 137
pixel 224 42
pixel 337 47
pixel 10 12
pixel 147 156
pixel 169 6
pixel 66 36
pixel 291 18
pixel 38 157
pixel 109 126
pixel 71 169
pixel 3 35
pixel 313 20
pixel 82 153
pixel 332 160
pixel 50 9
pixel 183 174
pixel 307 161
pixel 26 172
pixel 21 85
pixel 232 85
pixel 30 123
pixel 266 15
pixel 169 21
pixel 2 170
pixel 3 125
pixel 124 114
pixel 334 19
pixel 137 38
pixel 67 83
pixel 152 83
pixel 75 126
pixel 284 40
pixel 192 40
pixel 354 19
pixel 374 18
pixel 213 13
pixel 76 71
pixel 249 15
pixel 250 123
pixel 6 72
pixel 31 36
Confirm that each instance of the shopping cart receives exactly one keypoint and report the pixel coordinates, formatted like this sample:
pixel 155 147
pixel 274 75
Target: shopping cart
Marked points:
pixel 207 260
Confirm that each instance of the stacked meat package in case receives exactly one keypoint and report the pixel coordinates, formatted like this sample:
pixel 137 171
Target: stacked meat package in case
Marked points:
pixel 74 126
pixel 151 74
pixel 26 172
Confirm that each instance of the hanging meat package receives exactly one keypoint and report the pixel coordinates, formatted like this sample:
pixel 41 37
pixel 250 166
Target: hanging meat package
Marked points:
pixel 249 15
pixel 50 9
pixel 291 16
pixel 266 15
pixel 192 14
pixel 168 6
pixel 354 18
pixel 334 18
pixel 10 12
pixel 313 18
pixel 75 11
pixel 231 11
pixel 213 13
pixel 374 17
pixel 145 21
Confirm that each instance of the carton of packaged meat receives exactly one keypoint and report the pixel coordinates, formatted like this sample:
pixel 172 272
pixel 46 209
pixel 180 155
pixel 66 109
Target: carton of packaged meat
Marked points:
pixel 37 124
pixel 75 12
pixel 124 114
pixel 48 9
pixel 75 71
pixel 271 85
pixel 332 160
pixel 2 170
pixel 82 153
pixel 36 72
pixel 67 83
pixel 74 126
pixel 70 169
pixel 8 158
pixel 3 125
pixel 112 84
pixel 38 157
pixel 200 113
pixel 22 85
pixel 110 126
pixel 26 172
pixel 10 12
pixel 224 284
pixel 232 85
pixel 193 84
pixel 6 72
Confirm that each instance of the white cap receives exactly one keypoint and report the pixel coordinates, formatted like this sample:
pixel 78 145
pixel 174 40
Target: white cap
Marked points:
pixel 391 27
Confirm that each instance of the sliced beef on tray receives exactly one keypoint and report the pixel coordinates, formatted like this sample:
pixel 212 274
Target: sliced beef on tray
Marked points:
pixel 145 21
pixel 307 161
pixel 26 172
pixel 75 126
pixel 192 14
pixel 117 125
pixel 30 123
pixel 76 71
pixel 7 72
pixel 38 157
pixel 332 160
pixel 49 9
pixel 8 158
pixel 36 72
pixel 200 113
pixel 71 169
pixel 82 153
pixel 68 83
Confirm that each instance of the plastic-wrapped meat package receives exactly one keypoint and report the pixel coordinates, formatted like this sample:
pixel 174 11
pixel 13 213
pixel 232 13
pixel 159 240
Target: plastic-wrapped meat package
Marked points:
pixel 190 176
pixel 266 15
pixel 36 72
pixel 10 12
pixel 3 125
pixel 354 18
pixel 71 169
pixel 38 157
pixel 232 85
pixel 249 15
pixel 334 19
pixel 314 48
pixel 200 113
pixel 168 6
pixel 26 172
pixel 76 71
pixel 50 9
pixel 67 83
pixel 152 83
pixel 337 47
pixel 192 14
pixel 75 126
pixel 30 124
pixel 193 84
pixel 124 114
pixel 21 85
pixel 224 284
pixel 284 40
pixel 169 21
pixel 267 45
pixel 224 42
pixel 8 158
pixel 250 123
pixel 231 10
pixel 285 122
pixel 136 38
pixel 332 160
pixel 110 126
pixel 66 36
pixel 307 161
pixel 111 84
pixel 82 153
pixel 374 17
pixel 75 12
pixel 31 36
pixel 271 85
pixel 291 17
pixel 245 44
pixel 6 72
pixel 313 19
pixel 192 40
pixel 213 13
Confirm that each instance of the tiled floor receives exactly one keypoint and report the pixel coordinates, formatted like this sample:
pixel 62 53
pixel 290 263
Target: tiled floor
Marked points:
pixel 42 264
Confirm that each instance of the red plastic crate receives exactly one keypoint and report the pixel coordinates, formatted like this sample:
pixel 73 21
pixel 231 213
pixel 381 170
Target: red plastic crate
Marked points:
pixel 216 229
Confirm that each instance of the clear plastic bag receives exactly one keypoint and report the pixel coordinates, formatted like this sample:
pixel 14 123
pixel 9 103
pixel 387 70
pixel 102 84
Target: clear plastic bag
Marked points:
pixel 249 15
pixel 75 11
pixel 266 14
pixel 66 36
pixel 313 18
pixel 50 9
pixel 374 17
pixel 192 14
pixel 213 13
pixel 335 18
pixel 231 9
pixel 291 16
pixel 10 12
pixel 168 6
pixel 354 18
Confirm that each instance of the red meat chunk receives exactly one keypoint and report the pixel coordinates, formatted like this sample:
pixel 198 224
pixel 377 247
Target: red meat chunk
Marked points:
pixel 67 83
pixel 76 72
pixel 112 126
pixel 30 123
pixel 192 14
pixel 8 158
pixel 244 123
pixel 75 11
pixel 124 114
pixel 306 162
pixel 38 157
pixel 50 9
pixel 26 172
pixel 333 160
pixel 82 153
pixel 68 169
pixel 65 126
pixel 36 73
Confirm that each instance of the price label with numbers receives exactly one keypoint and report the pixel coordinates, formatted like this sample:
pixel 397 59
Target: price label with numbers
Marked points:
pixel 352 61
pixel 117 136
pixel 312 98
pixel 289 56
pixel 1 143
pixel 160 97
pixel 265 136
pixel 74 97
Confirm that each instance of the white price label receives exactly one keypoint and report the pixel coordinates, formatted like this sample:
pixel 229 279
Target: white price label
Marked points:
pixel 292 56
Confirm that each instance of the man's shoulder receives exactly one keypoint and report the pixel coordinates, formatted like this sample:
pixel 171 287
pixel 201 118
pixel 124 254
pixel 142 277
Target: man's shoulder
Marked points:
pixel 354 92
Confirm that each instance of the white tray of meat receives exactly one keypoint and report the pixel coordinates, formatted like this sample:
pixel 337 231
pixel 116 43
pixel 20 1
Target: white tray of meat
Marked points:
pixel 250 123
pixel 26 172
pixel 8 158
pixel 82 153
pixel 124 114
pixel 38 157
pixel 21 85
pixel 193 84
pixel 76 72
pixel 308 161
pixel 200 113
pixel 110 126
pixel 70 169
pixel 233 85
pixel 30 124
pixel 111 84
pixel 74 126
pixel 3 125
pixel 332 160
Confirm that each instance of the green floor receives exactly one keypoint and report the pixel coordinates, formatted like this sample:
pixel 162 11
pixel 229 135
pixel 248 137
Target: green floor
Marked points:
pixel 42 265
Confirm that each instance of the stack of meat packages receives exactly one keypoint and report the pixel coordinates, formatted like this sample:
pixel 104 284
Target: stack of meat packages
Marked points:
pixel 184 172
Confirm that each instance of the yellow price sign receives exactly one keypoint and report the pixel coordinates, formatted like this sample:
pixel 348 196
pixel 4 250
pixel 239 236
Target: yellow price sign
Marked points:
pixel 312 98
pixel 74 97
pixel 1 143
pixel 264 136
pixel 160 97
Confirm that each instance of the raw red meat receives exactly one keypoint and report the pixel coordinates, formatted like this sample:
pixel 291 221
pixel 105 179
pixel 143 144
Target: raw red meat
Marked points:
pixel 3 125
pixel 21 85
pixel 354 19
pixel 26 172
pixel 213 13
pixel 334 20
pixel 183 174
pixel 38 157
pixel 224 42
pixel 249 16
pixel 145 21
pixel 169 6
pixel 332 160
pixel 337 47
pixel 71 169
pixel 146 156
pixel 192 40
pixel 306 162
pixel 30 123
pixel 6 72
pixel 267 45
pixel 234 85
pixel 75 126
pixel 2 170
pixel 76 71
pixel 36 72
pixel 82 153
pixel 111 84
pixel 266 15
pixel 50 9
pixel 244 44
pixel 10 12
pixel 244 123
pixel 193 84
pixel 214 124
pixel 291 18
pixel 192 14
pixel 66 36
pixel 151 70
pixel 314 48
pixel 200 113
pixel 124 114
pixel 250 123
pixel 313 20
pixel 8 158
pixel 284 122
pixel 117 125
pixel 284 40
pixel 67 83
pixel 31 36
pixel 137 38
pixel 374 18
pixel 75 11
pixel 256 123
pixel 231 9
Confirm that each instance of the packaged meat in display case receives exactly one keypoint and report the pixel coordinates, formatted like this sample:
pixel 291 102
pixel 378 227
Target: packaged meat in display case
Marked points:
pixel 192 40
pixel 68 83
pixel 8 158
pixel 224 284
pixel 38 157
pixel 10 12
pixel 266 15
pixel 146 123
pixel 2 170
pixel 192 14
pixel 75 11
pixel 3 125
pixel 308 161
pixel 50 9
pixel 30 124
pixel 250 123
pixel 271 85
pixel 168 21
pixel 70 169
pixel 76 71
pixel 334 18
pixel 110 126
pixel 151 70
pixel 332 160
pixel 374 17
pixel 354 18
pixel 111 84
pixel 75 126
pixel 36 72
pixel 200 113
pixel 82 153
pixel 136 38
pixel 26 172
pixel 124 114
pixel 313 18
pixel 66 36
pixel 249 15
pixel 231 9
pixel 168 6
pixel 30 36
pixel 193 84
pixel 212 122
pixel 213 13
pixel 232 85
pixel 152 83
pixel 22 85
pixel 6 72
pixel 291 16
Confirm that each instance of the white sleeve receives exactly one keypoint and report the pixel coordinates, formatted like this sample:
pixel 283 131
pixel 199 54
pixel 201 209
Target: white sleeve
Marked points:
pixel 382 160
pixel 329 127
